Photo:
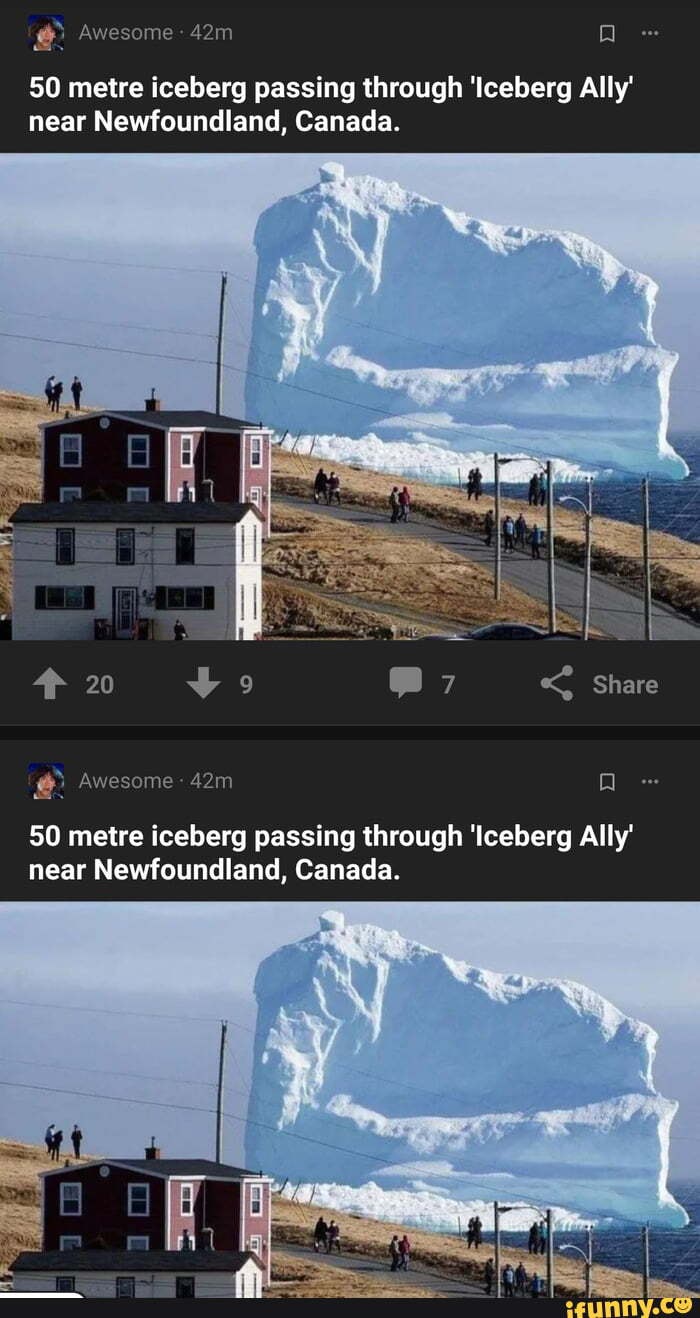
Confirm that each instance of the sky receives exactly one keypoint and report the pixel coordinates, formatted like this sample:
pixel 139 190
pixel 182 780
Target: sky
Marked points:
pixel 163 975
pixel 199 212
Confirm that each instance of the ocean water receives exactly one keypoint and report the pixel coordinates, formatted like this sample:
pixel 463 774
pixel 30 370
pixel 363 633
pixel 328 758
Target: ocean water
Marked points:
pixel 674 506
pixel 673 1255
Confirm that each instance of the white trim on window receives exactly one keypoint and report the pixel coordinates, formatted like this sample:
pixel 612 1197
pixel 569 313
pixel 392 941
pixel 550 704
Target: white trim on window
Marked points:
pixel 70 1185
pixel 256 450
pixel 130 452
pixel 255 1246
pixel 138 1242
pixel 70 1242
pixel 138 494
pixel 256 1197
pixel 62 456
pixel 189 441
pixel 138 1212
pixel 67 493
pixel 186 1192
pixel 255 493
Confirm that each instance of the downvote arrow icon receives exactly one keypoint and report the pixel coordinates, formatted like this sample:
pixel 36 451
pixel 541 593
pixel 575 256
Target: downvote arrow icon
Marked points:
pixel 203 684
pixel 50 681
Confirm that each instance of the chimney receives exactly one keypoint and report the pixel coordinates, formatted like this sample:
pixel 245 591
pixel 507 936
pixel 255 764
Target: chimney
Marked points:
pixel 207 488
pixel 207 1237
pixel 153 403
pixel 152 1152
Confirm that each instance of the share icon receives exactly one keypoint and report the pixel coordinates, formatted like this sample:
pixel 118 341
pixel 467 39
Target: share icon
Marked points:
pixel 550 683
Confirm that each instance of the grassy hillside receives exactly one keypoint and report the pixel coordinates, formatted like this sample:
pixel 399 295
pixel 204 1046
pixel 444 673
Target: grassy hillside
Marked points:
pixel 293 1224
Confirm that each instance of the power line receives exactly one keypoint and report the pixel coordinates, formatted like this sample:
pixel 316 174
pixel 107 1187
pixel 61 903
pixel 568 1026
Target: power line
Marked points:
pixel 91 1070
pixel 108 324
pixel 106 1011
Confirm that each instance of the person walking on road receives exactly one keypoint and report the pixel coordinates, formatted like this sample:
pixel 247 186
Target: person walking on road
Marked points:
pixel 77 1138
pixel 320 1234
pixel 535 1287
pixel 394 504
pixel 489 523
pixel 333 1237
pixel 320 485
pixel 404 1253
pixel 394 1253
pixel 508 535
pixel 76 390
pixel 489 1273
pixel 48 1137
pixel 508 1277
pixel 520 532
pixel 536 541
pixel 179 630
pixel 333 489
pixel 520 1280
pixel 404 504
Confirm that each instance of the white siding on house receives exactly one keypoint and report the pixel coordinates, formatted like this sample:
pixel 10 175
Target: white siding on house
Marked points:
pixel 217 565
pixel 149 1286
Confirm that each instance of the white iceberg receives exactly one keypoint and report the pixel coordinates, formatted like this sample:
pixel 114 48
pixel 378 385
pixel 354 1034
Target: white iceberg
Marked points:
pixel 385 1069
pixel 377 310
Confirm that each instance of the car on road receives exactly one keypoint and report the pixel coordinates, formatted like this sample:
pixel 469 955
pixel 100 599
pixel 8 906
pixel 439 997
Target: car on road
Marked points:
pixel 504 631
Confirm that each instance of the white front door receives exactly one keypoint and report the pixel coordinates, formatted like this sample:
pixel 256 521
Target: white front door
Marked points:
pixel 124 612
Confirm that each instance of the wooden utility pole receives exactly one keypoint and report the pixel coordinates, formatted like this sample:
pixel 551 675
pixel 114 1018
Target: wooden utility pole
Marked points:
pixel 497 542
pixel 220 1095
pixel 589 1260
pixel 647 559
pixel 220 347
pixel 551 597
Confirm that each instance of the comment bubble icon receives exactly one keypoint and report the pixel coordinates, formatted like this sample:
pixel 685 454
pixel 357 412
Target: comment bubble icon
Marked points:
pixel 405 681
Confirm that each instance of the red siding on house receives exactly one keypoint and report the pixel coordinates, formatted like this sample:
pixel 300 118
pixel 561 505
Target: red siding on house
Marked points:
pixel 258 1225
pixel 195 474
pixel 223 465
pixel 257 477
pixel 223 1213
pixel 104 1208
pixel 179 1220
pixel 104 459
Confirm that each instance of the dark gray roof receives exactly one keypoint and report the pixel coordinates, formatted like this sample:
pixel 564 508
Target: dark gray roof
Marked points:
pixel 184 1167
pixel 167 420
pixel 98 510
pixel 128 1261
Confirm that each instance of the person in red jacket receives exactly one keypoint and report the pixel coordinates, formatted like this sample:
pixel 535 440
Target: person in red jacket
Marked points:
pixel 404 504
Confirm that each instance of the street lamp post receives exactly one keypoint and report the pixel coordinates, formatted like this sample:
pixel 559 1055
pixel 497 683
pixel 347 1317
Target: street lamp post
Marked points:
pixel 586 1255
pixel 588 512
pixel 498 462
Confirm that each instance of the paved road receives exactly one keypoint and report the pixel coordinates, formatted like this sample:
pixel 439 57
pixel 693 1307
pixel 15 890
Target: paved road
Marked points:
pixel 615 611
pixel 428 1281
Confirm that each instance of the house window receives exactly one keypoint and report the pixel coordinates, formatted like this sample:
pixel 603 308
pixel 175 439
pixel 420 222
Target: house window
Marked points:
pixel 186 450
pixel 70 1242
pixel 139 1199
pixel 65 1283
pixel 71 451
pixel 184 597
pixel 255 601
pixel 69 493
pixel 256 1284
pixel 186 1200
pixel 64 597
pixel 242 603
pixel 256 450
pixel 125 546
pixel 255 496
pixel 139 451
pixel 185 1241
pixel 242 544
pixel 138 494
pixel 125 1288
pixel 184 545
pixel 71 1199
pixel 255 1245
pixel 65 547
pixel 184 1288
pixel 138 1242
pixel 243 1281
pixel 255 542
pixel 256 1201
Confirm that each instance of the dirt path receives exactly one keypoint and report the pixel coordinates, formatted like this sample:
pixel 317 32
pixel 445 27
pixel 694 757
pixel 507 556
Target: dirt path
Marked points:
pixel 416 1276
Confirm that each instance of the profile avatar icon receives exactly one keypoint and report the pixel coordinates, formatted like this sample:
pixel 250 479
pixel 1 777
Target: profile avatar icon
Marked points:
pixel 45 33
pixel 45 782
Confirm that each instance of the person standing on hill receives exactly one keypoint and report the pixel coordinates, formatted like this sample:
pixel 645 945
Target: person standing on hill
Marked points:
pixel 533 1240
pixel 56 1143
pixel 48 1137
pixel 478 483
pixel 77 1138
pixel 76 390
pixel 470 485
pixel 533 490
pixel 56 395
pixel 478 1228
pixel 543 489
pixel 48 388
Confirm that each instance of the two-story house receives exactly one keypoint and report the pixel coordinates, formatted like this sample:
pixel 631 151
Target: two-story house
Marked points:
pixel 156 456
pixel 135 571
pixel 154 1203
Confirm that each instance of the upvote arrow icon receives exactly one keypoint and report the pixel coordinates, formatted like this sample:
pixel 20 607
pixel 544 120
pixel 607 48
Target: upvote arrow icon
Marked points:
pixel 50 681
pixel 203 684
